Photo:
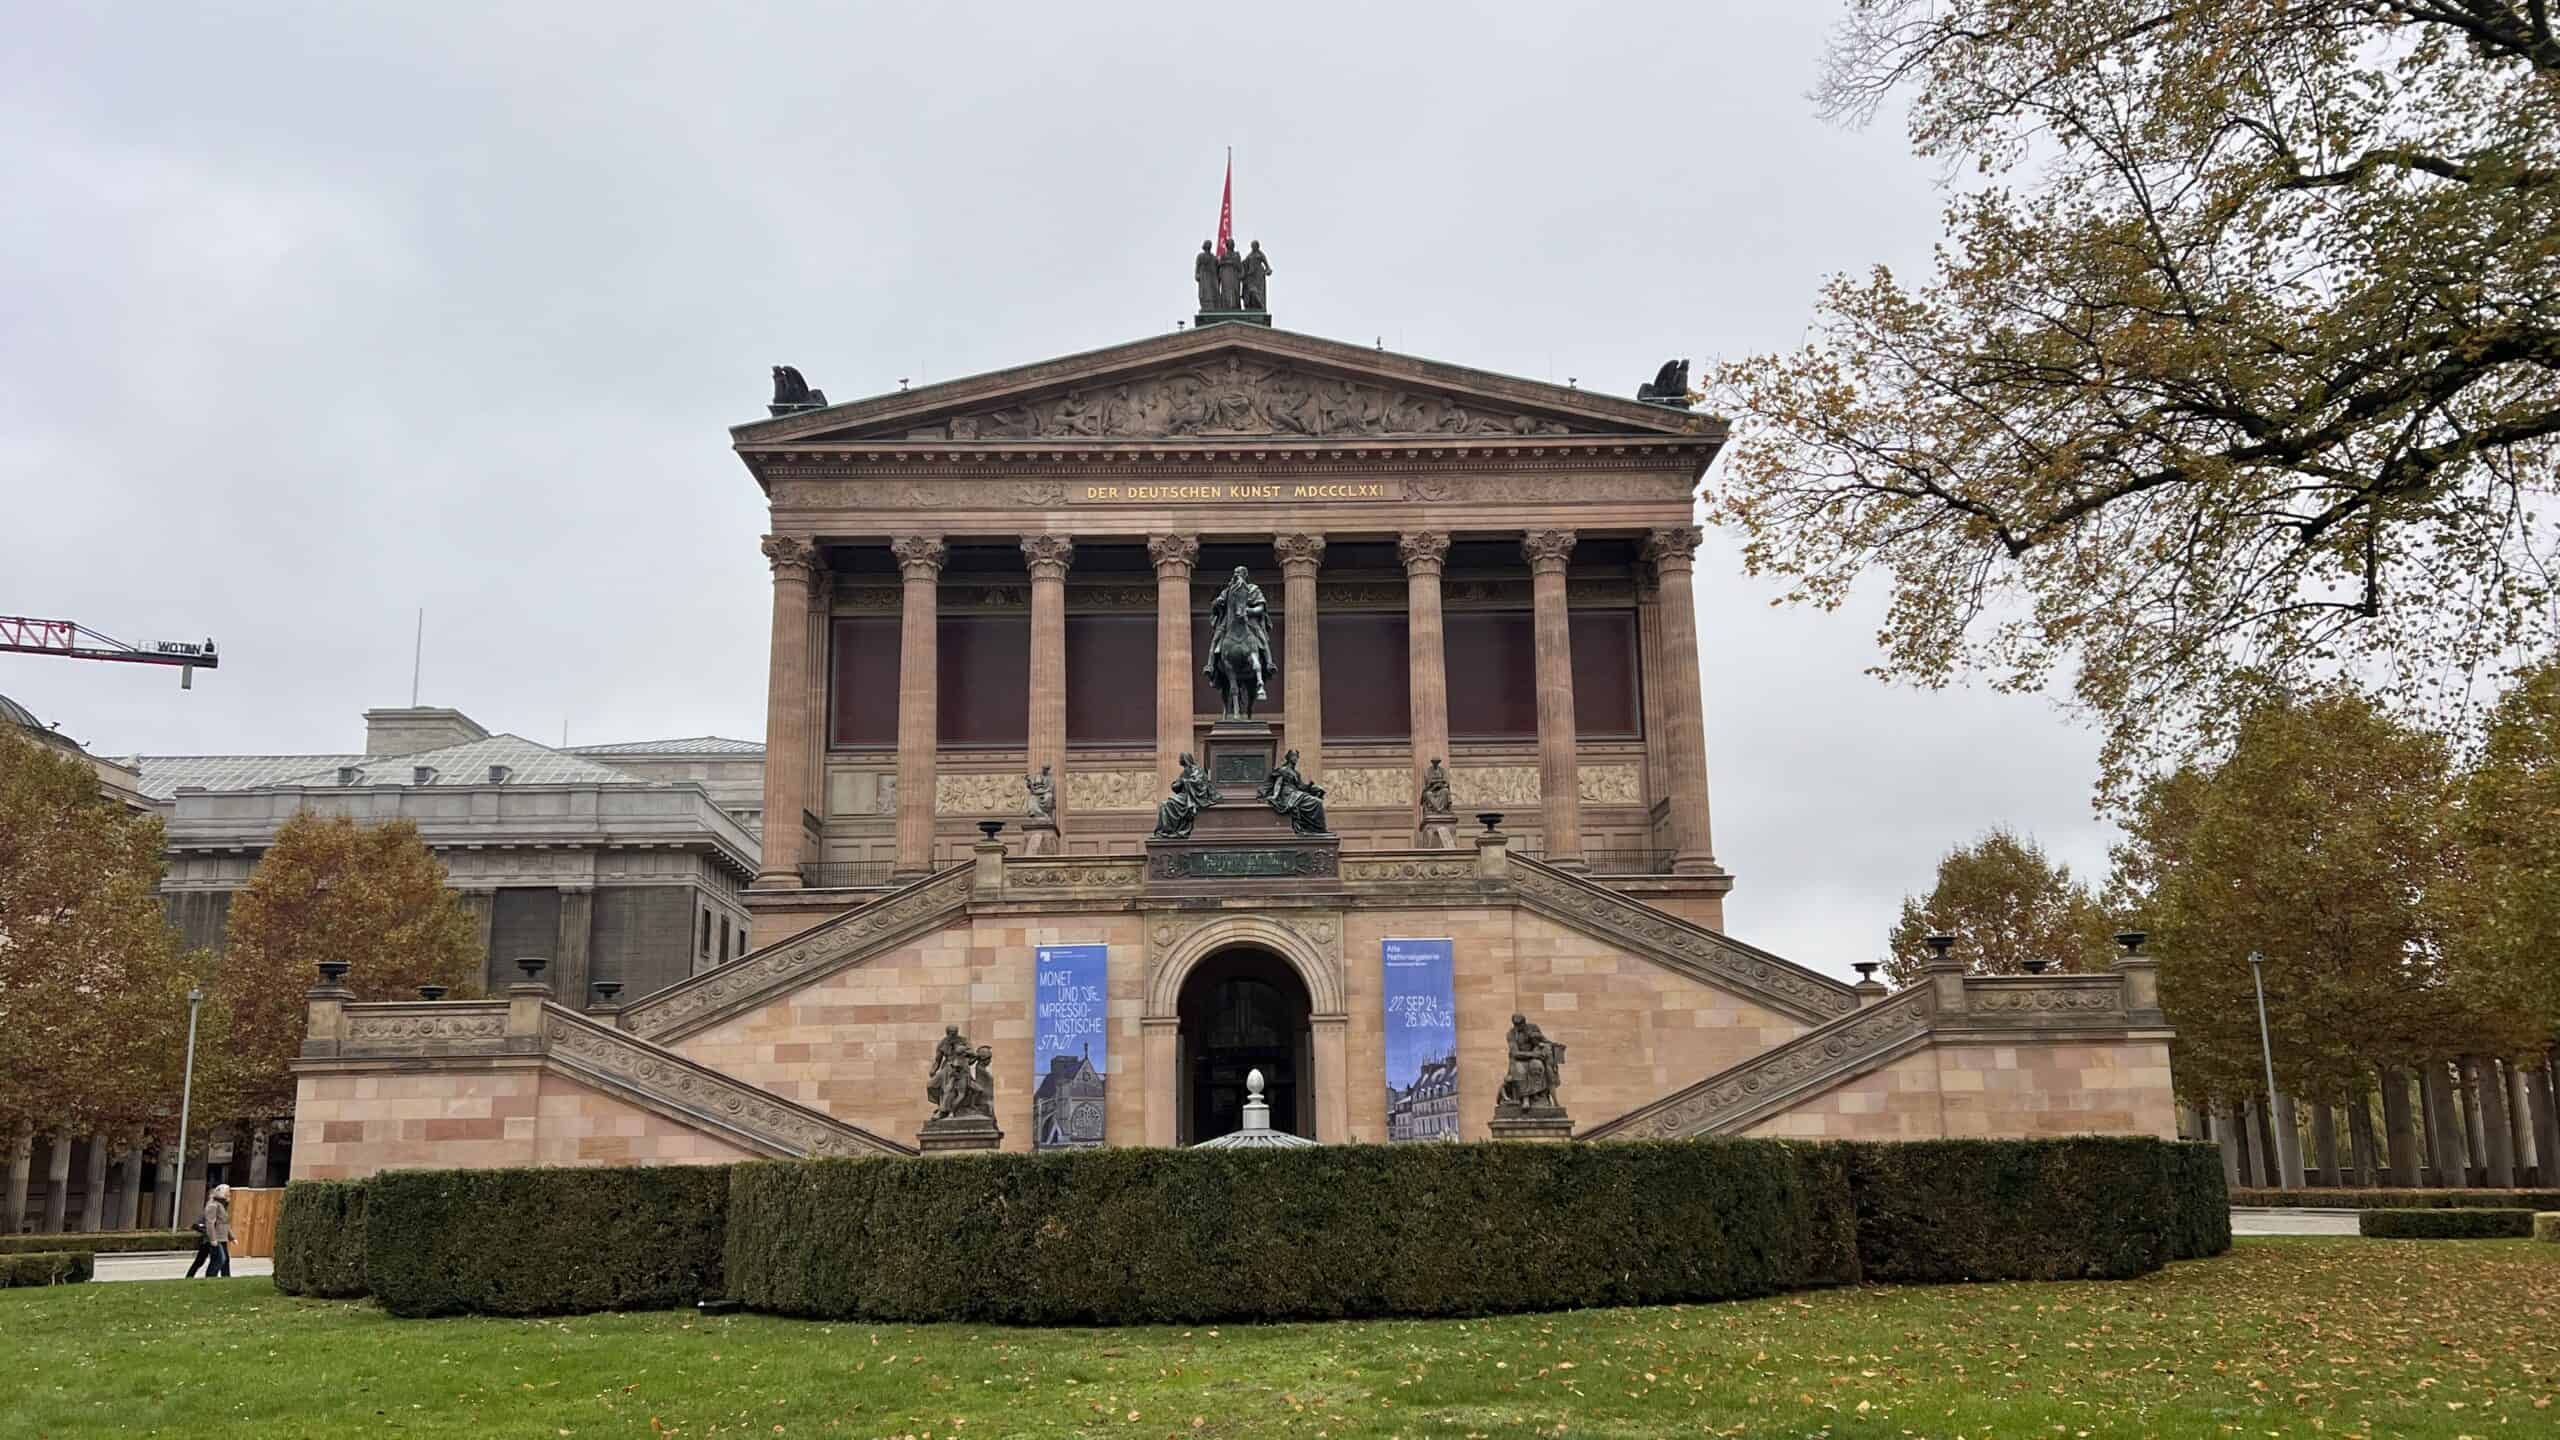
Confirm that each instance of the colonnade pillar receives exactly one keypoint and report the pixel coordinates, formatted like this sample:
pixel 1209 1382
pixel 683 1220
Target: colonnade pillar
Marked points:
pixel 1175 556
pixel 1300 557
pixel 1672 551
pixel 786 718
pixel 1048 557
pixel 1425 553
pixel 920 559
pixel 1549 552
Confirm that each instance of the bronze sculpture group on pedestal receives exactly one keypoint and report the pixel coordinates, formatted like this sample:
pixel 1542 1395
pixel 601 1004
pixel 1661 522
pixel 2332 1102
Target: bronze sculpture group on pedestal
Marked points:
pixel 1230 283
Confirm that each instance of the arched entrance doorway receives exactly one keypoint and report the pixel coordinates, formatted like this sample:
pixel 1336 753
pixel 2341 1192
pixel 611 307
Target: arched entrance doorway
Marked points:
pixel 1244 1009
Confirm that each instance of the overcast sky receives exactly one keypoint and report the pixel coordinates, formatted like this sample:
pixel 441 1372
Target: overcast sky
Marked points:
pixel 314 317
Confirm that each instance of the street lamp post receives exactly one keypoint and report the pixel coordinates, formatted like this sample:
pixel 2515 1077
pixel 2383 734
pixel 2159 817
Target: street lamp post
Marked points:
pixel 186 1101
pixel 2277 1128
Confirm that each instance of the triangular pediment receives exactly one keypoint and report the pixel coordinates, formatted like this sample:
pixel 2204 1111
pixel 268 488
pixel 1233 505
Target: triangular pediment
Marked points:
pixel 1228 383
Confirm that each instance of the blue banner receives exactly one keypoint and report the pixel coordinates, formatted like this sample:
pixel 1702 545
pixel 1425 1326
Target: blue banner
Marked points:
pixel 1421 1022
pixel 1070 1044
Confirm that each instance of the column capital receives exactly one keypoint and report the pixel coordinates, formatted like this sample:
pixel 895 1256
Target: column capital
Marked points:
pixel 920 557
pixel 1672 548
pixel 1048 556
pixel 1547 551
pixel 791 556
pixel 1174 555
pixel 1423 551
pixel 1299 553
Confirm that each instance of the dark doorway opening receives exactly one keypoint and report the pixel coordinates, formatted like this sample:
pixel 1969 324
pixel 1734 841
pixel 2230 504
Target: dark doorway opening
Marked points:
pixel 1244 1010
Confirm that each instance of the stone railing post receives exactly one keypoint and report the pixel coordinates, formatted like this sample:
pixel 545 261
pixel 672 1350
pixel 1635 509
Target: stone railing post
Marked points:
pixel 986 875
pixel 326 1027
pixel 1493 857
pixel 525 1000
pixel 1945 975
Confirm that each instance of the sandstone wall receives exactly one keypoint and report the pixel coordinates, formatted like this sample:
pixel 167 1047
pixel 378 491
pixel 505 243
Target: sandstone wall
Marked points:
pixel 1997 1091
pixel 348 1126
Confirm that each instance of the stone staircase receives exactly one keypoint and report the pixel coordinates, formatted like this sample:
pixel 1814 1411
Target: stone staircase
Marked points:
pixel 1826 1056
pixel 652 1075
pixel 668 1015
pixel 1680 944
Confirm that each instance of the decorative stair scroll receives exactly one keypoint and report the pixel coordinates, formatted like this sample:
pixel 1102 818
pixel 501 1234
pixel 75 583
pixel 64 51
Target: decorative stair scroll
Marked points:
pixel 714 995
pixel 1735 1099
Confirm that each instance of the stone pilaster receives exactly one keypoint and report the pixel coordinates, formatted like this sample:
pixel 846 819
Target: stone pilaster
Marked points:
pixel 1175 557
pixel 1672 551
pixel 822 595
pixel 920 559
pixel 575 970
pixel 1549 552
pixel 1300 557
pixel 1047 557
pixel 1425 553
pixel 786 712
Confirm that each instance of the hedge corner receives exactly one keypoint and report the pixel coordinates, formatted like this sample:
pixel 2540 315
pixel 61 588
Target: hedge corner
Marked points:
pixel 320 1239
pixel 2546 1226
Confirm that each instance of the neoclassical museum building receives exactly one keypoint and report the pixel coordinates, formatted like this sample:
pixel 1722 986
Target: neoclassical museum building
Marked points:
pixel 997 605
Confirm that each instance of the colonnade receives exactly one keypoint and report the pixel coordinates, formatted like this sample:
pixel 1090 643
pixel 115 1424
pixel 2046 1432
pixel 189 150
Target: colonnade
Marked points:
pixel 796 706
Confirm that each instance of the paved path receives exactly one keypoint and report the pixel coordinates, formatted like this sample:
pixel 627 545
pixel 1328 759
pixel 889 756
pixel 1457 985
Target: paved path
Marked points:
pixel 171 1265
pixel 2292 1222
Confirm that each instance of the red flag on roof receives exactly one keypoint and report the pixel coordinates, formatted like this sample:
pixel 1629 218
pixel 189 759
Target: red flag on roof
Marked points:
pixel 1227 207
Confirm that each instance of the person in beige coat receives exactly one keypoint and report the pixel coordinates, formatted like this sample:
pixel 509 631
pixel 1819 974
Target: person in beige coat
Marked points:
pixel 217 1233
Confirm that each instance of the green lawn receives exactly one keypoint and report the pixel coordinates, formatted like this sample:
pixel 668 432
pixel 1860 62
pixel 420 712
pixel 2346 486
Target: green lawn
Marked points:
pixel 2282 1337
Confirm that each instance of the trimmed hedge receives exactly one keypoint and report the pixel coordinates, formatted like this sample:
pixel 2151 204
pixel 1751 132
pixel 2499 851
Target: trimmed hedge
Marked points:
pixel 46 1267
pixel 2446 1224
pixel 544 1242
pixel 1134 1236
pixel 2089 1208
pixel 2331 1199
pixel 103 1242
pixel 320 1239
pixel 2200 1217
pixel 2546 1226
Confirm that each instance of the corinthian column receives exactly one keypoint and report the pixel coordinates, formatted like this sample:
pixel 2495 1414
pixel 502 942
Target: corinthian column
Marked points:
pixel 1424 553
pixel 1559 770
pixel 1175 556
pixel 1671 551
pixel 1048 557
pixel 920 560
pixel 786 713
pixel 1300 557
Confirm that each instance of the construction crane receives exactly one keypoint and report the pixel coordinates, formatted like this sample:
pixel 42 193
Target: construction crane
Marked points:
pixel 69 638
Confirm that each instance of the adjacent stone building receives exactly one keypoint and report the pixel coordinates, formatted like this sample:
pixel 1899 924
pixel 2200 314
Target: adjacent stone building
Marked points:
pixel 622 867
pixel 1467 574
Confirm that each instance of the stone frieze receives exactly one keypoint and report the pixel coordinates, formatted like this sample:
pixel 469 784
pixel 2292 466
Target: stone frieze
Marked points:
pixel 1098 790
pixel 1237 397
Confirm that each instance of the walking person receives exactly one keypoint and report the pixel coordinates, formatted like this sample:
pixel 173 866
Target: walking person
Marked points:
pixel 204 1248
pixel 217 1232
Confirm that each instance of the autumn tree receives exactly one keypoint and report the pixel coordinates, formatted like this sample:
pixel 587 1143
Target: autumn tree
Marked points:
pixel 2239 359
pixel 329 889
pixel 92 982
pixel 2318 842
pixel 2505 903
pixel 2007 903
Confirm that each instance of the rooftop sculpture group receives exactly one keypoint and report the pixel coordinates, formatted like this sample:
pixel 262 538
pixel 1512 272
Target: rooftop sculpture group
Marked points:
pixel 1230 282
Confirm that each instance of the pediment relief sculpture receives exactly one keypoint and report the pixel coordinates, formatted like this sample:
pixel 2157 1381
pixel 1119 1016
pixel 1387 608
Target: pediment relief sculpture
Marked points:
pixel 1233 396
